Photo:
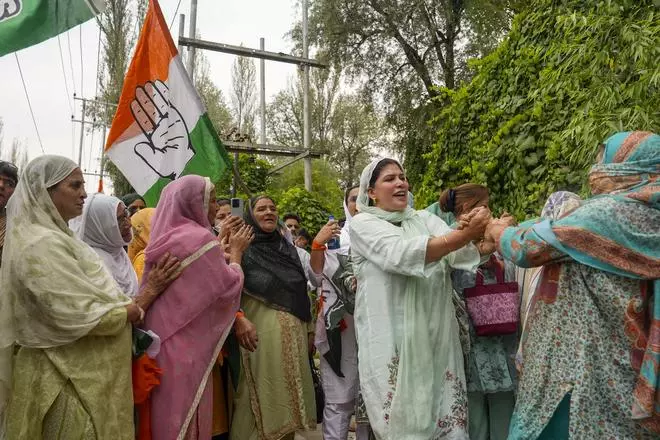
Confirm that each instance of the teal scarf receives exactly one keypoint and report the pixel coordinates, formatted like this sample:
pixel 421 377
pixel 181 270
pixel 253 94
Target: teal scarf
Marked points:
pixel 618 231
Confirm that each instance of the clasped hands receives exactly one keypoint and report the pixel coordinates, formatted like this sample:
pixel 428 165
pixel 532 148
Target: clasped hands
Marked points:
pixel 484 229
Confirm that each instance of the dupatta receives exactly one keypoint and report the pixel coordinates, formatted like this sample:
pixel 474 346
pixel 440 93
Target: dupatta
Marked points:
pixel 617 231
pixel 98 227
pixel 195 314
pixel 47 273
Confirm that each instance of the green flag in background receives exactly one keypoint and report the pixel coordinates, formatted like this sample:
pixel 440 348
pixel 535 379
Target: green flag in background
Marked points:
pixel 24 23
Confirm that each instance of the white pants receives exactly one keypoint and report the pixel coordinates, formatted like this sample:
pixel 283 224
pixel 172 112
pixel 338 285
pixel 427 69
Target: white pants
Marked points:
pixel 337 419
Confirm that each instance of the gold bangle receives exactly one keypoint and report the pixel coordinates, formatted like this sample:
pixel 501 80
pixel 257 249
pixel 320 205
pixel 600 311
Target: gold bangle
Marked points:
pixel 444 237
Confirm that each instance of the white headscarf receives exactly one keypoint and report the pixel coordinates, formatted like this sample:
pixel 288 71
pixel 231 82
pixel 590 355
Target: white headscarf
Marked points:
pixel 425 301
pixel 54 288
pixel 99 228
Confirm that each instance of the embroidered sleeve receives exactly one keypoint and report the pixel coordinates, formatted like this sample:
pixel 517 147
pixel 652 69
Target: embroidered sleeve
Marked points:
pixel 523 246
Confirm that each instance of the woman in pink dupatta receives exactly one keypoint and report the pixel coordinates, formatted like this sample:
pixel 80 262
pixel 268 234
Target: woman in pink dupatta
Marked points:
pixel 195 314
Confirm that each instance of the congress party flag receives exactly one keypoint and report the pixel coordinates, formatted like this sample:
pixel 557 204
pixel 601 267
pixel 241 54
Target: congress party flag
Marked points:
pixel 24 23
pixel 161 130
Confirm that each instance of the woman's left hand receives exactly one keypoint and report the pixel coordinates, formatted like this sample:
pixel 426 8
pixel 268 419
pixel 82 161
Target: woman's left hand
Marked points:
pixel 164 273
pixel 495 228
pixel 246 333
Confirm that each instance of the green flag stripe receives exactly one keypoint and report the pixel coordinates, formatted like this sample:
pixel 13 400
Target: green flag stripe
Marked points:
pixel 39 20
pixel 210 159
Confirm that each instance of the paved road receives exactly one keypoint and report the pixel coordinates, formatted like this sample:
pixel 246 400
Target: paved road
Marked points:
pixel 317 435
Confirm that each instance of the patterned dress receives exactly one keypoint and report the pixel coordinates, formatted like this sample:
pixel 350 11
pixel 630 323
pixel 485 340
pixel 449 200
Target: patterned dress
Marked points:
pixel 585 338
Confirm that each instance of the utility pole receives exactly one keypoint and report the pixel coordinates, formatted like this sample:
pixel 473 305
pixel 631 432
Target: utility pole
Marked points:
pixel 182 29
pixel 82 132
pixel 262 90
pixel 191 33
pixel 307 160
pixel 83 122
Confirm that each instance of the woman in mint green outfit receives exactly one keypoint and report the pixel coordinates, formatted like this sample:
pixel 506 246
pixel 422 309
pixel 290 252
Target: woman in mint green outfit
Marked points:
pixel 410 358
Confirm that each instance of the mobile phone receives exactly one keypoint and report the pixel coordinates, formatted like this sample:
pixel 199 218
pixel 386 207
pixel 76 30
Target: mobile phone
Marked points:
pixel 237 207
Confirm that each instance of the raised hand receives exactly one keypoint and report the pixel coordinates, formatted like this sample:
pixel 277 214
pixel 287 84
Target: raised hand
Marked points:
pixel 328 232
pixel 241 239
pixel 167 149
pixel 496 227
pixel 478 220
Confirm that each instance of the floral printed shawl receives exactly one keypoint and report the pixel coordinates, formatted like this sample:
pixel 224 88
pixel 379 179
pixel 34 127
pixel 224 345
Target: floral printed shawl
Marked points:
pixel 617 232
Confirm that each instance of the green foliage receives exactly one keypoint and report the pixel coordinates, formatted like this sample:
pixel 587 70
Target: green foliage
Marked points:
pixel 325 185
pixel 254 175
pixel 569 75
pixel 313 213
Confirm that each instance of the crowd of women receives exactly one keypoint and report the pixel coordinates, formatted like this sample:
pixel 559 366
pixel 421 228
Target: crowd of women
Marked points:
pixel 119 321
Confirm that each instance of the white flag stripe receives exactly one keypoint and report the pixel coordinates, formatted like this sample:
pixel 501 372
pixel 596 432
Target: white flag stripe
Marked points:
pixel 179 94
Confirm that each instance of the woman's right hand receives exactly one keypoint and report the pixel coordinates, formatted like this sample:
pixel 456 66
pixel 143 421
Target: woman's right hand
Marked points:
pixel 328 232
pixel 478 221
pixel 166 270
pixel 241 239
pixel 228 225
pixel 133 313
pixel 246 333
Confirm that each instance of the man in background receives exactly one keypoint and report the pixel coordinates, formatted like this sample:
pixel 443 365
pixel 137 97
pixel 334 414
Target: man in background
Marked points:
pixel 293 224
pixel 8 181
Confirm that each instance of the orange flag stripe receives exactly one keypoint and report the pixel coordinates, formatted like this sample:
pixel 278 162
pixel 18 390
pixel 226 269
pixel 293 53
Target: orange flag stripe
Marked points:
pixel 153 55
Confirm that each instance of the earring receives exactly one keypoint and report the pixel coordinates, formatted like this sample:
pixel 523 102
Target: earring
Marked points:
pixel 375 200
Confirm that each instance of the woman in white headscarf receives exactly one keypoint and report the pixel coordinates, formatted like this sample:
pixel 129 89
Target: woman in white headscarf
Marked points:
pixel 335 330
pixel 410 357
pixel 106 227
pixel 67 316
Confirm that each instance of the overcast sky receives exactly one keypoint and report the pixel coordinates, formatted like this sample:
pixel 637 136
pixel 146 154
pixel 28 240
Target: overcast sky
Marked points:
pixel 226 21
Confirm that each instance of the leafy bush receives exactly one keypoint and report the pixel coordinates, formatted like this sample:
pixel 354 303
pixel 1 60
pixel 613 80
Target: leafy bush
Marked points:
pixel 313 213
pixel 325 184
pixel 570 73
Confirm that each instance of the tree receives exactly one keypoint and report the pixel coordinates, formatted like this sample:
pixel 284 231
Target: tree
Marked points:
pixel 17 153
pixel 312 211
pixel 401 52
pixel 254 174
pixel 343 126
pixel 244 95
pixel 117 26
pixel 211 95
pixel 355 131
pixel 325 184
pixel 569 74
pixel 285 112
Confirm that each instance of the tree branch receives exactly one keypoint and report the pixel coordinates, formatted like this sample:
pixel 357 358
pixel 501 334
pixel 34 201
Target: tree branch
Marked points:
pixel 411 54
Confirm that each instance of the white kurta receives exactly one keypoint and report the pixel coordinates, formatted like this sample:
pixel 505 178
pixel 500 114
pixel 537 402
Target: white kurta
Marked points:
pixel 412 382
pixel 338 389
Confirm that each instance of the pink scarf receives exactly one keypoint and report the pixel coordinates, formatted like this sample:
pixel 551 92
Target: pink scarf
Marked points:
pixel 194 315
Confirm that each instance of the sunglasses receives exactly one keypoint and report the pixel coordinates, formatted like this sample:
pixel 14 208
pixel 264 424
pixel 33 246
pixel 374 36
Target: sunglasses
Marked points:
pixel 352 199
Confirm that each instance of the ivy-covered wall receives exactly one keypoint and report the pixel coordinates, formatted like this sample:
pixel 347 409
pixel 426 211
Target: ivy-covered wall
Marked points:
pixel 569 74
